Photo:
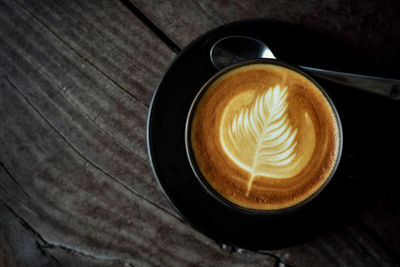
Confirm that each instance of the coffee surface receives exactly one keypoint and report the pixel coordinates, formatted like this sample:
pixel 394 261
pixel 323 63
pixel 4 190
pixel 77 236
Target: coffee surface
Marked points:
pixel 264 137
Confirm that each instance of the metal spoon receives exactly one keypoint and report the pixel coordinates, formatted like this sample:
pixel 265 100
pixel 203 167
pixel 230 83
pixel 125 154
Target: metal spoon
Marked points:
pixel 231 49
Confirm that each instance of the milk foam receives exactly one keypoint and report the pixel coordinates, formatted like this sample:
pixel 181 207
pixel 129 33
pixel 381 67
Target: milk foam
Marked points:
pixel 264 137
pixel 260 139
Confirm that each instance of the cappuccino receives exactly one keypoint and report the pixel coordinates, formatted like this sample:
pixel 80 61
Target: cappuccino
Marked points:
pixel 264 136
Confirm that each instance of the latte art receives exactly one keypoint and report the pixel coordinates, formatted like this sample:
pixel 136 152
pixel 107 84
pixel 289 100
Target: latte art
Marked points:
pixel 264 137
pixel 261 140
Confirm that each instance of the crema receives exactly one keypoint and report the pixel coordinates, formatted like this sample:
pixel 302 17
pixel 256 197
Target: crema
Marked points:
pixel 264 136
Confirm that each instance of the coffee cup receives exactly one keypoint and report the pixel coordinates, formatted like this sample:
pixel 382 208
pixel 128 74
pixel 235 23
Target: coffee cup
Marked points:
pixel 263 137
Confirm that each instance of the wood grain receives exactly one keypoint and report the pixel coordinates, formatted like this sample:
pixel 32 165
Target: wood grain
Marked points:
pixel 82 106
pixel 69 169
pixel 76 187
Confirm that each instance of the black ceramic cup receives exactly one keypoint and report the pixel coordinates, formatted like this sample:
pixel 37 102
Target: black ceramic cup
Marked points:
pixel 203 181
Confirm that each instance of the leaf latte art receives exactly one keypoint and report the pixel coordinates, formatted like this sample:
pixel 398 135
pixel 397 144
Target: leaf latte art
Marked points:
pixel 260 138
pixel 263 137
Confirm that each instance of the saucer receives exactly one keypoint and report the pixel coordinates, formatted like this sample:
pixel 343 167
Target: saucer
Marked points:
pixel 166 141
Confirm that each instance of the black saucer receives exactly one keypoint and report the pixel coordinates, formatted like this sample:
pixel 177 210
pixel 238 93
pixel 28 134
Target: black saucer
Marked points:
pixel 166 122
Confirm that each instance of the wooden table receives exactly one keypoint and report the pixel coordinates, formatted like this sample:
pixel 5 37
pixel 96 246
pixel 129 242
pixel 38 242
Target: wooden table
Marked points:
pixel 76 81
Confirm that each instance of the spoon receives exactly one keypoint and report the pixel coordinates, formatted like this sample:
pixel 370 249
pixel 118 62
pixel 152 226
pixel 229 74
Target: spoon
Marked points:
pixel 232 49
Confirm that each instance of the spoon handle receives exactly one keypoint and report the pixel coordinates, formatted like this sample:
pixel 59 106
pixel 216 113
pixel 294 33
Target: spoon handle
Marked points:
pixel 387 87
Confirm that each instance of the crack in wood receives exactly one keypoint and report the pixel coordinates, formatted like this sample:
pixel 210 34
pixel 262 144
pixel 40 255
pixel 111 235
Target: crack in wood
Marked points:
pixel 43 245
pixel 37 236
pixel 3 166
pixel 86 159
pixel 48 246
pixel 153 27
pixel 40 247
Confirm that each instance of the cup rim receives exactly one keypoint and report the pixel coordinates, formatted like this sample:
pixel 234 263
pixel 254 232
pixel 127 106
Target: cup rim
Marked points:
pixel 202 180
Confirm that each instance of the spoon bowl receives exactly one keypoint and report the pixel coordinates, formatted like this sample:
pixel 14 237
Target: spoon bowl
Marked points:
pixel 232 49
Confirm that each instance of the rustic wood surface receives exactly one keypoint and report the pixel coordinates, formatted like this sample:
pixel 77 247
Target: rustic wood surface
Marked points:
pixel 76 80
